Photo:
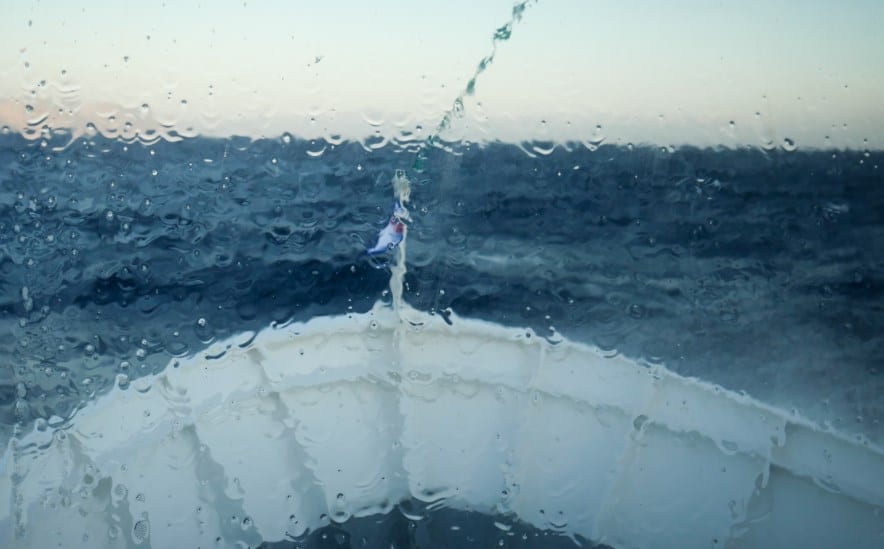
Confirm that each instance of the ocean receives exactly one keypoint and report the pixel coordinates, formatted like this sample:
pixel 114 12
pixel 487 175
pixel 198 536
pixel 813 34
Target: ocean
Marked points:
pixel 753 269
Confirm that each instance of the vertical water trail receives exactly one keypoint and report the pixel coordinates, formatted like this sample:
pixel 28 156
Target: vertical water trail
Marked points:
pixel 502 34
pixel 402 190
pixel 401 183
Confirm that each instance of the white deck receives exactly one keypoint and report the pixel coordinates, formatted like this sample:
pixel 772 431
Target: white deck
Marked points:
pixel 346 416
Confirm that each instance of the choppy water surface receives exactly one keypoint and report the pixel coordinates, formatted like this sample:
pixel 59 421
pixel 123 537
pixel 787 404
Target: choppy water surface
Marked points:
pixel 755 270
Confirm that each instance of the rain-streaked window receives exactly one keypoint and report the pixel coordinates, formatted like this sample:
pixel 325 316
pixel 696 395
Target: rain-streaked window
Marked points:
pixel 457 274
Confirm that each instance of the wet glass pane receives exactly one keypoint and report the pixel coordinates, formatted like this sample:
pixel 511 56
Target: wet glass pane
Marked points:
pixel 455 274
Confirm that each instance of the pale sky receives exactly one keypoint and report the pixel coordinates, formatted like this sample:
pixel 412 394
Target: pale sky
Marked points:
pixel 645 71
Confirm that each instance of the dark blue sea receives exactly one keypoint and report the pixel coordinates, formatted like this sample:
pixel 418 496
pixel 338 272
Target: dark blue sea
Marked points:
pixel 757 270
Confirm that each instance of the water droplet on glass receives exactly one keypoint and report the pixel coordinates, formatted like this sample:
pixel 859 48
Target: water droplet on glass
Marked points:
pixel 636 311
pixel 122 381
pixel 141 530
